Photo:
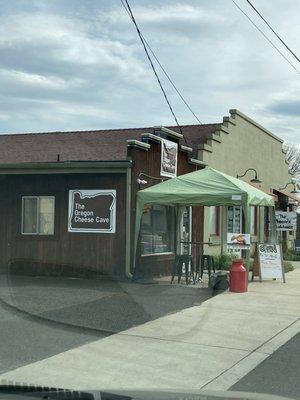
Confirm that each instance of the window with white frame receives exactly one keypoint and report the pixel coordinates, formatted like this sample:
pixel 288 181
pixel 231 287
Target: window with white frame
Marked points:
pixel 38 215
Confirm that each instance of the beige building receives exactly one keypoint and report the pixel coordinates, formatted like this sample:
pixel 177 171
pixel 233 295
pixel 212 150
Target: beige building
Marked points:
pixel 233 147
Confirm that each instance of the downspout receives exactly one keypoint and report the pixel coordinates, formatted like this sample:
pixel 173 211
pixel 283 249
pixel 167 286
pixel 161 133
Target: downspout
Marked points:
pixel 128 224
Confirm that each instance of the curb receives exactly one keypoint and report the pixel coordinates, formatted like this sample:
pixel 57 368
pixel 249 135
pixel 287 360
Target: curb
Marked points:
pixel 236 372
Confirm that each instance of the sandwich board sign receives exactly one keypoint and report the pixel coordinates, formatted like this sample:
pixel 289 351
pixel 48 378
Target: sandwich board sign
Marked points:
pixel 270 261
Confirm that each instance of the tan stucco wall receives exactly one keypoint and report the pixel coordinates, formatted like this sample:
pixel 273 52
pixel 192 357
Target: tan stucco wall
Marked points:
pixel 246 145
pixel 240 144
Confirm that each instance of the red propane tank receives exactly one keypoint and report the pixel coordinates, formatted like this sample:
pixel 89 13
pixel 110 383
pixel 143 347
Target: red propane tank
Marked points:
pixel 238 280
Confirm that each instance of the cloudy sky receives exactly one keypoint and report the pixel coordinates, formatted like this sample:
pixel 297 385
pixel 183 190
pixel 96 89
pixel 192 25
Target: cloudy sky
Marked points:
pixel 78 64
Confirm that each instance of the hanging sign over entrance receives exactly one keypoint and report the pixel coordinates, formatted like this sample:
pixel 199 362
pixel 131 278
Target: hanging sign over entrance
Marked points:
pixel 270 261
pixel 92 211
pixel 168 165
pixel 286 221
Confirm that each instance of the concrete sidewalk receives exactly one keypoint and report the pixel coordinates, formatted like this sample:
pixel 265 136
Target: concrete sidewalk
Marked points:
pixel 209 346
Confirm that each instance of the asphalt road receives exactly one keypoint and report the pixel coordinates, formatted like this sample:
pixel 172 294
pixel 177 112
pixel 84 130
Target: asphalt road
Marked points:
pixel 41 317
pixel 24 341
pixel 279 374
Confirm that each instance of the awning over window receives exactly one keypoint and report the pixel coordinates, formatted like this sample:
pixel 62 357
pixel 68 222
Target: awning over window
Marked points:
pixel 293 196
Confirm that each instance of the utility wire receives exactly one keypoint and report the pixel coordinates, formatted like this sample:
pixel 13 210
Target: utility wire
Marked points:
pixel 265 36
pixel 282 41
pixel 151 63
pixel 164 71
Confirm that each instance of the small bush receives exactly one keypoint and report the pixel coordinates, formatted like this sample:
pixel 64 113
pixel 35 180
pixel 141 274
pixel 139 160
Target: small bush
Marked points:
pixel 291 255
pixel 223 261
pixel 288 266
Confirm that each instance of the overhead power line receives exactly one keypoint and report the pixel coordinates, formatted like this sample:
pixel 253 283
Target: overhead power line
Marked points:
pixel 151 63
pixel 266 37
pixel 164 71
pixel 282 41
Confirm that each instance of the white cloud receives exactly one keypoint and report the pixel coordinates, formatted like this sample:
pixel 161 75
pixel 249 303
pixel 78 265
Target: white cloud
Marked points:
pixel 64 41
pixel 169 13
pixel 64 66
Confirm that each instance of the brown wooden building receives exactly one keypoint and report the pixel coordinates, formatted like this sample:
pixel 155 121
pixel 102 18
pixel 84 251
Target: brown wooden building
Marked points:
pixel 50 183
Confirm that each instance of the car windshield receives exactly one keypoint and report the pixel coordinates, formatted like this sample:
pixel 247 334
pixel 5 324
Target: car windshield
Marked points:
pixel 149 199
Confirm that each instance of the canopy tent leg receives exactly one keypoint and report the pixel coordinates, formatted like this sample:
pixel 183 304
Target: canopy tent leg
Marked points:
pixel 246 209
pixel 272 218
pixel 138 219
pixel 223 230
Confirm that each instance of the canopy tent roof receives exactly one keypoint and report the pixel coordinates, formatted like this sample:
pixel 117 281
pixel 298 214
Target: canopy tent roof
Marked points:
pixel 207 187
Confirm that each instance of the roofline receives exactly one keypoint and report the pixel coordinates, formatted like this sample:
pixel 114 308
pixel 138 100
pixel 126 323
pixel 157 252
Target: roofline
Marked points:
pixel 169 132
pixel 234 112
pixel 65 167
pixel 70 132
pixel 197 162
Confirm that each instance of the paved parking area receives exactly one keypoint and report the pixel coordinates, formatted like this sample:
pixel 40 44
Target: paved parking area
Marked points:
pixel 102 305
pixel 43 316
pixel 211 346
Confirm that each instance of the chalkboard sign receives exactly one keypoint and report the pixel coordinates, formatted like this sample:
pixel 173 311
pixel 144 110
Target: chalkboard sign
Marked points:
pixel 270 261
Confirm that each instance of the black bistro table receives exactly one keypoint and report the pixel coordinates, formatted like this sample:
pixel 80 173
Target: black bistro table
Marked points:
pixel 193 273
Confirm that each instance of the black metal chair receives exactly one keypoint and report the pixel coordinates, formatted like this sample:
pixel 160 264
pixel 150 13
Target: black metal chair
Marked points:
pixel 208 263
pixel 187 261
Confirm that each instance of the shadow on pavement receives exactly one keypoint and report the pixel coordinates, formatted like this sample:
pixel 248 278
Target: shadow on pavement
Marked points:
pixel 102 305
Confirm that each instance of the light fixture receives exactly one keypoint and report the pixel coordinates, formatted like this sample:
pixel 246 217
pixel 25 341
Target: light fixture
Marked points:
pixel 141 181
pixel 144 182
pixel 253 180
pixel 290 183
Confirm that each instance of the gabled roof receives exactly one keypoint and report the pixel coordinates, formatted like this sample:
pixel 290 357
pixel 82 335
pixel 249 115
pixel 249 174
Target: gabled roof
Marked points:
pixel 97 145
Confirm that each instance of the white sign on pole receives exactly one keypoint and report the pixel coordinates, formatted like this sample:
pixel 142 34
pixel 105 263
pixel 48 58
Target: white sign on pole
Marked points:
pixel 169 151
pixel 238 241
pixel 270 261
pixel 286 220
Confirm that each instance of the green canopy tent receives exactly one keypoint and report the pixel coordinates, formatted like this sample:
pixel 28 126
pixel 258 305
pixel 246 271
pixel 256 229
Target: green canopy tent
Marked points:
pixel 206 187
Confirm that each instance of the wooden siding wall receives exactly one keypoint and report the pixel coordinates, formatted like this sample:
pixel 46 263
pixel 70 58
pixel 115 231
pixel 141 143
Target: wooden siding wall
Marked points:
pixel 149 162
pixel 63 253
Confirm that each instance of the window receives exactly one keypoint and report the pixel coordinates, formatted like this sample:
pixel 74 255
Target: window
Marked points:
pixel 234 219
pixel 38 215
pixel 214 218
pixel 253 226
pixel 157 231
